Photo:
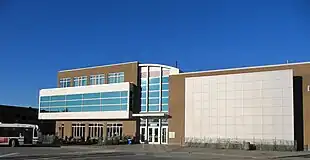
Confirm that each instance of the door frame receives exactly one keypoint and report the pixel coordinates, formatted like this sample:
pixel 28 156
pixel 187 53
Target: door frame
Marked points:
pixel 167 134
pixel 153 135
pixel 145 134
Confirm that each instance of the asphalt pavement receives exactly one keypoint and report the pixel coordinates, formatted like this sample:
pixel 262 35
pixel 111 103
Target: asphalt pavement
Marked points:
pixel 123 153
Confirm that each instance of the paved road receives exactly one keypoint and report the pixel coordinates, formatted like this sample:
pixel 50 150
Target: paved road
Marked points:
pixel 89 153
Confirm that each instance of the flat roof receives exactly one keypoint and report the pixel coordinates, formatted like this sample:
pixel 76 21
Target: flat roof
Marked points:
pixel 76 69
pixel 242 68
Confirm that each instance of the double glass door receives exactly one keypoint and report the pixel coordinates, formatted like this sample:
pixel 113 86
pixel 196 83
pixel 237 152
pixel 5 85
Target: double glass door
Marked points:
pixel 153 135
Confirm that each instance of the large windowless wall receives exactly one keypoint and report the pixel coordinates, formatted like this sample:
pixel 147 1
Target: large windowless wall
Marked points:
pixel 245 106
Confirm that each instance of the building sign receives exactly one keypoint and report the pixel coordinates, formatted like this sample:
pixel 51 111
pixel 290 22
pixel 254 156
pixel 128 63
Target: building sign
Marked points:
pixel 171 134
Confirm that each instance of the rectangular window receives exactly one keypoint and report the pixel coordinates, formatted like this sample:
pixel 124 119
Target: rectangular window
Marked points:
pixel 154 108
pixel 143 94
pixel 165 93
pixel 164 100
pixel 110 94
pixel 154 94
pixel 91 102
pixel 116 77
pixel 123 107
pixel 60 103
pixel 165 86
pixel 124 100
pixel 95 130
pixel 165 80
pixel 58 98
pixel 114 129
pixel 45 98
pixel 44 104
pixel 91 95
pixel 143 101
pixel 65 82
pixel 154 87
pixel 74 97
pixel 164 107
pixel 154 80
pixel 143 88
pixel 73 109
pixel 143 81
pixel 154 101
pixel 78 130
pixel 111 108
pixel 143 108
pixel 57 109
pixel 80 81
pixel 74 103
pixel 97 79
pixel 124 94
pixel 91 108
pixel 111 101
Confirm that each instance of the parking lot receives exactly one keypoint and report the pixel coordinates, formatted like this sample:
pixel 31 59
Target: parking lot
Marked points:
pixel 147 153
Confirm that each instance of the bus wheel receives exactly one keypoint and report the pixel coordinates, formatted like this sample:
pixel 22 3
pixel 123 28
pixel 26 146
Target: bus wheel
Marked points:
pixel 13 143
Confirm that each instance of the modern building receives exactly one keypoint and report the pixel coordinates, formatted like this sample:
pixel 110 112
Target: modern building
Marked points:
pixel 160 105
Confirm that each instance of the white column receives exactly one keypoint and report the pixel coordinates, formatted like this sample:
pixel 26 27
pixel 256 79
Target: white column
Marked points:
pixel 146 138
pixel 147 90
pixel 160 90
pixel 159 132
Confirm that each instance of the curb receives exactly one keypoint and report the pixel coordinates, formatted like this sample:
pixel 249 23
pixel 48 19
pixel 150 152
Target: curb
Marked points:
pixel 62 154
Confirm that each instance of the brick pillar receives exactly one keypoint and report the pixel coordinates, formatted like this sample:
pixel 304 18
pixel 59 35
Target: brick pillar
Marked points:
pixel 129 128
pixel 104 130
pixel 86 130
pixel 68 129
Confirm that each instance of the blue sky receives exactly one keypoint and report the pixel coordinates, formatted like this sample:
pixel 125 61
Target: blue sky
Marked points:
pixel 38 38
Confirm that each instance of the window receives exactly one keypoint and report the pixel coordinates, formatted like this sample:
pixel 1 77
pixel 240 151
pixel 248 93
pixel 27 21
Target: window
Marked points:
pixel 164 108
pixel 88 102
pixel 80 81
pixel 165 79
pixel 153 107
pixel 116 77
pixel 114 129
pixel 97 79
pixel 65 82
pixel 154 80
pixel 78 130
pixel 95 130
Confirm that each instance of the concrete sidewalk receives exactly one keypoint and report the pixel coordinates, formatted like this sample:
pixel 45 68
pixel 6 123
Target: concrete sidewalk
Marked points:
pixel 178 150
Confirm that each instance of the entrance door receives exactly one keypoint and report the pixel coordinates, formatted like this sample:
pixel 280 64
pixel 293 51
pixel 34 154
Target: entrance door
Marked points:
pixel 153 135
pixel 28 135
pixel 142 134
pixel 164 135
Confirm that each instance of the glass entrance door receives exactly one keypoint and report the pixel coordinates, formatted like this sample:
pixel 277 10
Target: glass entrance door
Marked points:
pixel 164 135
pixel 142 134
pixel 153 135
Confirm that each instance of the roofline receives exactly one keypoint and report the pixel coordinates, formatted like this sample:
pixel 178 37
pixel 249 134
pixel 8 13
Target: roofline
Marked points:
pixel 157 65
pixel 96 66
pixel 15 106
pixel 243 68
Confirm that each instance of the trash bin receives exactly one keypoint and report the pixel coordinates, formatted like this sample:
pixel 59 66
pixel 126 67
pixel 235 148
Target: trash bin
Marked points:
pixel 129 141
